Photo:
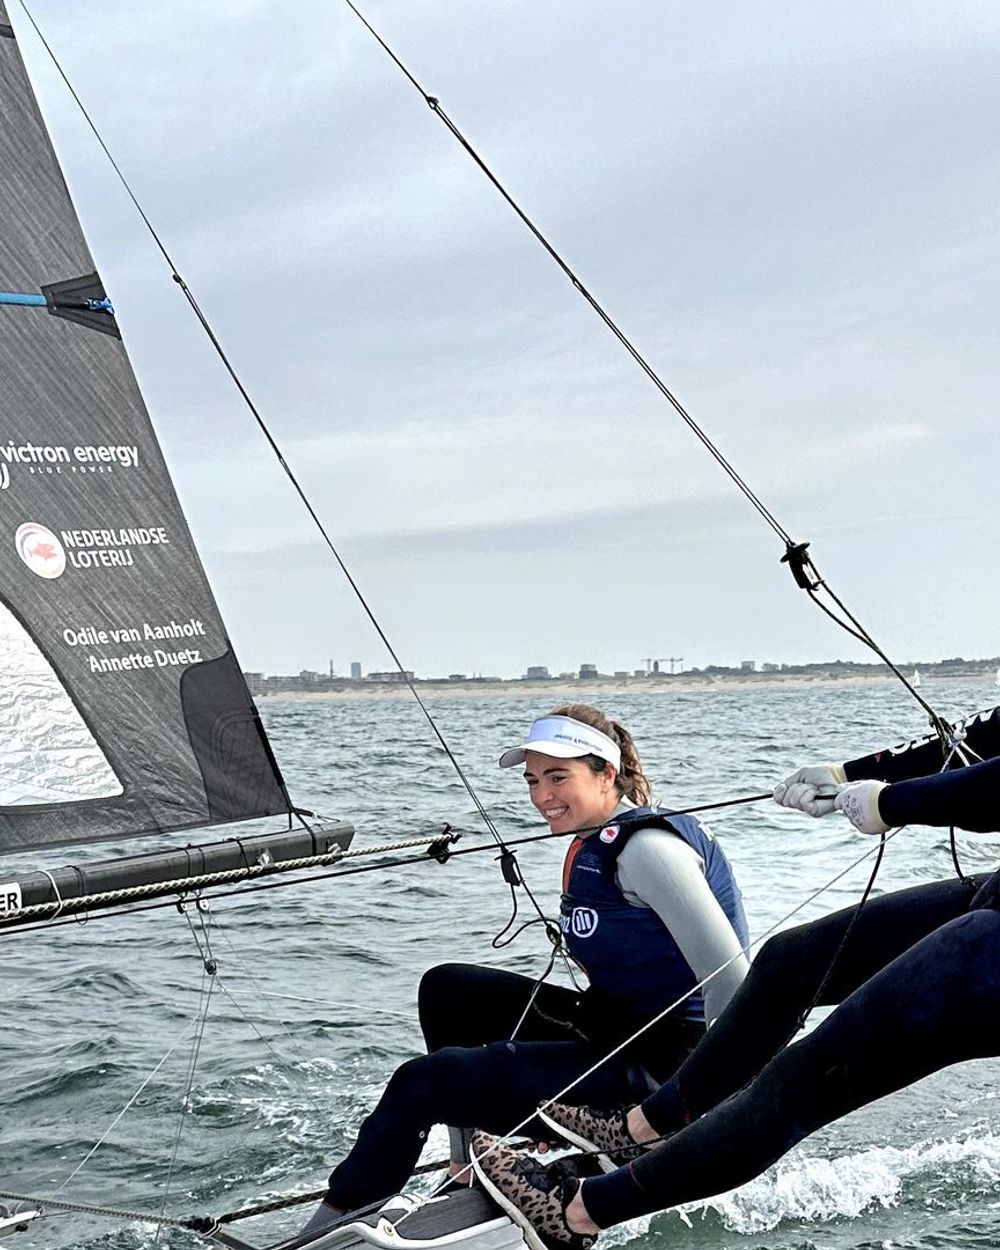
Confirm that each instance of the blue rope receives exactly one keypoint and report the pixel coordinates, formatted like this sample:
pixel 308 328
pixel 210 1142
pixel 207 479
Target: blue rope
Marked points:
pixel 35 301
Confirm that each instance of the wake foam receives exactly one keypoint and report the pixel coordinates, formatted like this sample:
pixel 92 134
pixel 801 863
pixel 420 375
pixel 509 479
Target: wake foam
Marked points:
pixel 819 1190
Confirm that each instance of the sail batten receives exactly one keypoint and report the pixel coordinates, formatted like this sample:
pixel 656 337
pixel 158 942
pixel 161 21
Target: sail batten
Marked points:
pixel 123 710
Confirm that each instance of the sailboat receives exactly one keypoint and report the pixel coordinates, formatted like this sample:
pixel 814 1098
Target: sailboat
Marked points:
pixel 123 711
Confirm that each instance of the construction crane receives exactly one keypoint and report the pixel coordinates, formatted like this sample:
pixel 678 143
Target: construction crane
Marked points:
pixel 653 663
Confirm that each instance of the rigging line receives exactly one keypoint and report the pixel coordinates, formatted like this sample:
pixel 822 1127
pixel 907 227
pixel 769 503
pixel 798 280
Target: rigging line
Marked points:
pixel 64 1206
pixel 282 1060
pixel 264 429
pixel 259 991
pixel 435 106
pixel 940 726
pixel 365 1009
pixel 270 884
pixel 208 979
pixel 104 1136
pixel 608 321
pixel 674 1005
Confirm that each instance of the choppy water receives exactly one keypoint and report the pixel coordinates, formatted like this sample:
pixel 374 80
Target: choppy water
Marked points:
pixel 315 994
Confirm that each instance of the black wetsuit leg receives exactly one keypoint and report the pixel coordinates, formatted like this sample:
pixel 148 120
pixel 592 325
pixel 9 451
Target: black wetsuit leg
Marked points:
pixel 474 1077
pixel 784 978
pixel 466 1005
pixel 493 1087
pixel 935 1005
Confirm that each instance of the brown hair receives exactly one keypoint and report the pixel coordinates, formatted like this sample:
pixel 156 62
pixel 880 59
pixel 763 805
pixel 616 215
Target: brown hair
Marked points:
pixel 631 781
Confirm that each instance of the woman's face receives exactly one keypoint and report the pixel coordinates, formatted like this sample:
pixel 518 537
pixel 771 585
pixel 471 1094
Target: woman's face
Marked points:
pixel 568 793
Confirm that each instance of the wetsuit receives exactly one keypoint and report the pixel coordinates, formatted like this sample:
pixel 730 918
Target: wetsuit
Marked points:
pixel 471 1078
pixel 918 983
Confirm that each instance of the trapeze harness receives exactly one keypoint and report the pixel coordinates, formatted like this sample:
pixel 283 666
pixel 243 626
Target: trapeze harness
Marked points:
pixel 628 951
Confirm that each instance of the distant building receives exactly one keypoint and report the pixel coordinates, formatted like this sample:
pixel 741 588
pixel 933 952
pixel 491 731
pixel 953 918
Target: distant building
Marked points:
pixel 355 670
pixel 770 668
pixel 536 672
pixel 457 677
pixel 639 672
pixel 588 672
pixel 393 675
pixel 255 682
pixel 308 678
pixel 621 673
pixel 748 666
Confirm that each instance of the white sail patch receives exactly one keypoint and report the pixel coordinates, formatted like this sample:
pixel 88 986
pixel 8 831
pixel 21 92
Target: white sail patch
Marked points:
pixel 10 897
pixel 47 752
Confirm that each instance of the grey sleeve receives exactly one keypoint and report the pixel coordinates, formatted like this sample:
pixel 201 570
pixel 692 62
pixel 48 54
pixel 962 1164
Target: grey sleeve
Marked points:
pixel 658 869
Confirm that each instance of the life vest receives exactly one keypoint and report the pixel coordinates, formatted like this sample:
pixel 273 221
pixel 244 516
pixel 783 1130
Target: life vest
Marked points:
pixel 628 951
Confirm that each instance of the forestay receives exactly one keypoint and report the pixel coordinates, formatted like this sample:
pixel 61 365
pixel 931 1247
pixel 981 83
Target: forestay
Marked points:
pixel 122 708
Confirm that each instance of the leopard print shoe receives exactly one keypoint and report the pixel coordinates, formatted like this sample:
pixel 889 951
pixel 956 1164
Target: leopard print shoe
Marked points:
pixel 533 1195
pixel 604 1134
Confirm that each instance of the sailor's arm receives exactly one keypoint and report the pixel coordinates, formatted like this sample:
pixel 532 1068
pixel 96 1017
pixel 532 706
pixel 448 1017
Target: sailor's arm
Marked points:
pixel 658 868
pixel 966 797
pixel 812 789
pixel 924 756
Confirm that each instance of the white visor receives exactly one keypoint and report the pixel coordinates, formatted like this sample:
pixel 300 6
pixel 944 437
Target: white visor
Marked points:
pixel 566 739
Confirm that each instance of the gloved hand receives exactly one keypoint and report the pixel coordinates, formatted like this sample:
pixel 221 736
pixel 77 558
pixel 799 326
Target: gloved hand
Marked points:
pixel 812 789
pixel 859 803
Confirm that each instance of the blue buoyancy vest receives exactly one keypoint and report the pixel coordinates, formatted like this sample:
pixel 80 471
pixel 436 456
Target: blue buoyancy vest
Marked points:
pixel 628 951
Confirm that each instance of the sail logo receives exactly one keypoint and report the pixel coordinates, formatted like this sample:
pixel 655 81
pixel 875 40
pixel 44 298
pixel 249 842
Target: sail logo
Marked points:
pixel 4 477
pixel 40 550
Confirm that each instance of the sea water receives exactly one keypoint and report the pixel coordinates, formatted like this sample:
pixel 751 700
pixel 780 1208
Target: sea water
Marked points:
pixel 251 1082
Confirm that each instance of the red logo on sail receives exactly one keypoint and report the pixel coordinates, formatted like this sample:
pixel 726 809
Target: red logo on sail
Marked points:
pixel 40 550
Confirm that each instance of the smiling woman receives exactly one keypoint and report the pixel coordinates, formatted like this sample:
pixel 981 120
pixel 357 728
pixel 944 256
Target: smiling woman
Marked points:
pixel 650 909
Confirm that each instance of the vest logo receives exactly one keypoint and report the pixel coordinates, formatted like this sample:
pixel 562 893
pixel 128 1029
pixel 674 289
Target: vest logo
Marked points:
pixel 583 922
pixel 609 833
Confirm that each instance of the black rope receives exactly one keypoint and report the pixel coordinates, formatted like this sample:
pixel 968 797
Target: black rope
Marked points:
pixel 435 106
pixel 859 907
pixel 333 875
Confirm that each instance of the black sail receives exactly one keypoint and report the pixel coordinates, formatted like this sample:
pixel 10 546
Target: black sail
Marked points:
pixel 122 707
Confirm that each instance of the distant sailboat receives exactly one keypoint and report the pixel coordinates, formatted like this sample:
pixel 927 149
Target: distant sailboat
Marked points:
pixel 915 679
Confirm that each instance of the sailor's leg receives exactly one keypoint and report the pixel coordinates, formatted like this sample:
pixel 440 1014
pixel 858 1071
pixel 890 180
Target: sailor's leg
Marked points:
pixel 495 1086
pixel 784 978
pixel 935 1005
pixel 466 1005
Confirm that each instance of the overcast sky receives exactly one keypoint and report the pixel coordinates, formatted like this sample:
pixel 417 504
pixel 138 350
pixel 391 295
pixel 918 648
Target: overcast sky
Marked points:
pixel 792 210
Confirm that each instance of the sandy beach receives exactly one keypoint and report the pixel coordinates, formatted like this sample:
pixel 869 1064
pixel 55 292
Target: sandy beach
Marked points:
pixel 588 691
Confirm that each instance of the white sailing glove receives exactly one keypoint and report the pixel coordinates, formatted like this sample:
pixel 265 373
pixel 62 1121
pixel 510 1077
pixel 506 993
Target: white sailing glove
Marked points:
pixel 859 803
pixel 811 789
